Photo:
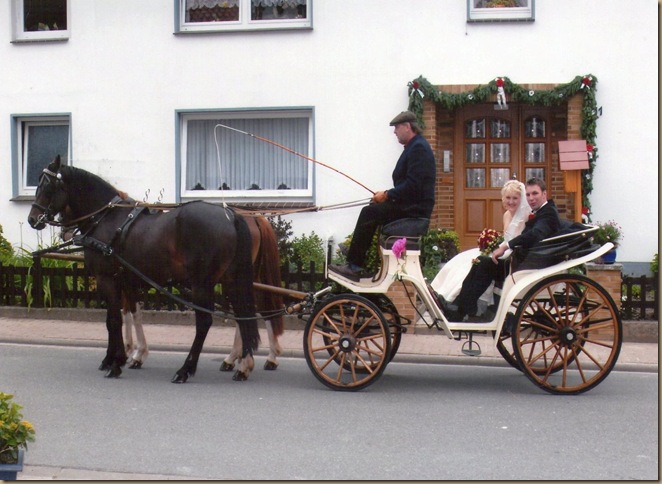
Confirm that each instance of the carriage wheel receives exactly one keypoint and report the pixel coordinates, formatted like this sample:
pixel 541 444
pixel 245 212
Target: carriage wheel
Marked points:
pixel 347 342
pixel 505 342
pixel 568 334
pixel 391 314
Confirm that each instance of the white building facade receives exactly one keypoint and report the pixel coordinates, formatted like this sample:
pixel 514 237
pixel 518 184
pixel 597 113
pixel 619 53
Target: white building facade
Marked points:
pixel 155 95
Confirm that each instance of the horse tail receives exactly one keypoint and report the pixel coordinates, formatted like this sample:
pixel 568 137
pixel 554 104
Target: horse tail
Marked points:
pixel 244 303
pixel 267 267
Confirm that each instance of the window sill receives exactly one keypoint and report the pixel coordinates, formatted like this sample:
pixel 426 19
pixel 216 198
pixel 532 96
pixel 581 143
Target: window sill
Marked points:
pixel 32 41
pixel 23 198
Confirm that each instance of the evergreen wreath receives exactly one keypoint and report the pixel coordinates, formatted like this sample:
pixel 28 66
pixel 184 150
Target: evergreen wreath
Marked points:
pixel 420 88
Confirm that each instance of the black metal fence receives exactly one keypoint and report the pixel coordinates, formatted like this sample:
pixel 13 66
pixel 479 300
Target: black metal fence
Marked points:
pixel 640 298
pixel 73 287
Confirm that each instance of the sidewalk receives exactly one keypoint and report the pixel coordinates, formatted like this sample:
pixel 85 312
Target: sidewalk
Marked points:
pixel 176 333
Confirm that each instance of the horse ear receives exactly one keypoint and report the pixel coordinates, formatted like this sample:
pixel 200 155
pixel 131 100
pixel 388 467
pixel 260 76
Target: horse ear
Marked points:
pixel 56 164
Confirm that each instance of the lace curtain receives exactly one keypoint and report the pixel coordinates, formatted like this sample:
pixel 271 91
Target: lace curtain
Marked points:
pixel 247 163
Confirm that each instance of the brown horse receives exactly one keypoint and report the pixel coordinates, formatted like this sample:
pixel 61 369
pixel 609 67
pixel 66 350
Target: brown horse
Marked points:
pixel 196 244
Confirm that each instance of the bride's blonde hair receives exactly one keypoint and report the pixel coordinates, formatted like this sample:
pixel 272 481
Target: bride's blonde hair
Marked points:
pixel 511 186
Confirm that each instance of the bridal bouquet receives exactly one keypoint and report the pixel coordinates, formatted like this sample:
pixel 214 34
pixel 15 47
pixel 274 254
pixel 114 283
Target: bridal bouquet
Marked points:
pixel 489 240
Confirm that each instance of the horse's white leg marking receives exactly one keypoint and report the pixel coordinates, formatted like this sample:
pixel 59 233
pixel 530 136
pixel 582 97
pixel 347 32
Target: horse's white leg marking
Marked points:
pixel 275 350
pixel 236 347
pixel 127 319
pixel 141 351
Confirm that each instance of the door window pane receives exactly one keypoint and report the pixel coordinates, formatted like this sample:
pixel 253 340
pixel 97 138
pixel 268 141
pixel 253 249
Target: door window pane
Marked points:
pixel 534 127
pixel 535 152
pixel 475 128
pixel 499 177
pixel 535 173
pixel 475 177
pixel 500 153
pixel 500 128
pixel 475 153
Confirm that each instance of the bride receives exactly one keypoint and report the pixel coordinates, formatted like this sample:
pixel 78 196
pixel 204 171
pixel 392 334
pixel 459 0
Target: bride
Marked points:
pixel 449 279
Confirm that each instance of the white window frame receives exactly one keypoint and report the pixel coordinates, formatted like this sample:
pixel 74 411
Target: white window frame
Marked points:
pixel 20 149
pixel 244 196
pixel 503 14
pixel 243 24
pixel 20 35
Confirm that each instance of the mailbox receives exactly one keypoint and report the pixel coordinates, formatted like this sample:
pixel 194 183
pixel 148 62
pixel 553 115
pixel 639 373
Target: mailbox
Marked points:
pixel 573 155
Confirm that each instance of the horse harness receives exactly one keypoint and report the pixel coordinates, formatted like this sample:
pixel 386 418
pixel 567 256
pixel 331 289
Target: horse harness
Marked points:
pixel 112 248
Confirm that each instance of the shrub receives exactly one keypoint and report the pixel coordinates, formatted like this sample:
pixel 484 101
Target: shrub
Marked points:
pixel 283 231
pixel 307 249
pixel 439 245
pixel 655 264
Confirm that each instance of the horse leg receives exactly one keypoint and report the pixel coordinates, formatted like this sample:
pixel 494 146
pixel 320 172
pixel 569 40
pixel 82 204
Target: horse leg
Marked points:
pixel 141 350
pixel 228 362
pixel 127 321
pixel 115 354
pixel 275 349
pixel 203 322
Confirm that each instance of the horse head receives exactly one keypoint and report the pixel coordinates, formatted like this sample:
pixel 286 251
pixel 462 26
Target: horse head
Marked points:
pixel 50 198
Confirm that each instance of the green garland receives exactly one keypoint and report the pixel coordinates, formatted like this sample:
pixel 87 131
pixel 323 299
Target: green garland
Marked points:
pixel 420 89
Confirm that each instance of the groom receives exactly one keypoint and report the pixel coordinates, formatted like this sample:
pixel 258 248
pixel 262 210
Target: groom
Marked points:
pixel 542 223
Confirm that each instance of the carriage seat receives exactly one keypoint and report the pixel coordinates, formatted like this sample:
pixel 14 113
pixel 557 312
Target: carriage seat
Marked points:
pixel 411 228
pixel 572 240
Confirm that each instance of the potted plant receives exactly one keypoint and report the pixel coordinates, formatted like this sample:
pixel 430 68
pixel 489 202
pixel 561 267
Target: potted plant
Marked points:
pixel 15 433
pixel 608 232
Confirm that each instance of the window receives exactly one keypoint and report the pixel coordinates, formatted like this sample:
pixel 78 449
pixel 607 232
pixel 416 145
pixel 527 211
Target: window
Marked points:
pixel 40 20
pixel 194 16
pixel 36 141
pixel 495 151
pixel 218 159
pixel 500 10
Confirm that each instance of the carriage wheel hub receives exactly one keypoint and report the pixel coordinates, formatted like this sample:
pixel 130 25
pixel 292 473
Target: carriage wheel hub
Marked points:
pixel 347 343
pixel 568 335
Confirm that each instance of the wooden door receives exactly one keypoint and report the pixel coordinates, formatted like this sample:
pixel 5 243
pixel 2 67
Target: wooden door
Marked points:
pixel 492 147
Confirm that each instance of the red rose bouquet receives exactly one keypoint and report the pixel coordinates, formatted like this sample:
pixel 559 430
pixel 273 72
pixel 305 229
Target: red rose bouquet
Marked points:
pixel 489 240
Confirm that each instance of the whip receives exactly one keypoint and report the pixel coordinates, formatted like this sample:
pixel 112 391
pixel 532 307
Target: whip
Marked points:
pixel 290 150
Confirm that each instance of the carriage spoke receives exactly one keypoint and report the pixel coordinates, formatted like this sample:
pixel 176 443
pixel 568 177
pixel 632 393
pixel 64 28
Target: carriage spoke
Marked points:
pixel 350 331
pixel 568 334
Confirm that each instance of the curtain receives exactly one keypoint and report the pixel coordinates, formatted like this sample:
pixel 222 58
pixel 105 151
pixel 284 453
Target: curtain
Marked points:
pixel 245 162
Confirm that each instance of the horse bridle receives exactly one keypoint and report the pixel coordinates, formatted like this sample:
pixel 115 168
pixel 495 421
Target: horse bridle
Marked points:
pixel 49 176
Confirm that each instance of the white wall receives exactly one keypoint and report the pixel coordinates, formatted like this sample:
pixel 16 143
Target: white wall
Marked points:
pixel 123 73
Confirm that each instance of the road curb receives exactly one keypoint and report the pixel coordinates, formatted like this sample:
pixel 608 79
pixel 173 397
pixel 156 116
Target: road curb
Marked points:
pixel 633 331
pixel 401 357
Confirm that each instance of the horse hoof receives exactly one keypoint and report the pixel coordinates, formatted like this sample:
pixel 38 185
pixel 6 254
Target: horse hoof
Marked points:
pixel 270 365
pixel 136 365
pixel 226 366
pixel 114 372
pixel 240 376
pixel 104 366
pixel 179 378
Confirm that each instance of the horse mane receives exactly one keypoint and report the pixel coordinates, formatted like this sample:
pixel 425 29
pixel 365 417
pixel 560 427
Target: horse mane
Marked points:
pixel 87 189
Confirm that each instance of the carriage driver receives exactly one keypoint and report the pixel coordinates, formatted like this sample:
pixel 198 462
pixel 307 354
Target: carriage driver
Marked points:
pixel 412 194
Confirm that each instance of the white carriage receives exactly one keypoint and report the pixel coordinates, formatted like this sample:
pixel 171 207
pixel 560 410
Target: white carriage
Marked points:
pixel 560 328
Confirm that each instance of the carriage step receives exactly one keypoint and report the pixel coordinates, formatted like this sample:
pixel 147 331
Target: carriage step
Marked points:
pixel 471 348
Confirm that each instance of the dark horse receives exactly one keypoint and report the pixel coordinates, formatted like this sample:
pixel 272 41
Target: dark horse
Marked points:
pixel 196 244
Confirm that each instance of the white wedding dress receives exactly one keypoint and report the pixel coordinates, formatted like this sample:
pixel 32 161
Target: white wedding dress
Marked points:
pixel 448 281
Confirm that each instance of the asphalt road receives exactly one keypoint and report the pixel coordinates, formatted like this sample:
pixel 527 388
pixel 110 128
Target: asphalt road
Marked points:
pixel 418 421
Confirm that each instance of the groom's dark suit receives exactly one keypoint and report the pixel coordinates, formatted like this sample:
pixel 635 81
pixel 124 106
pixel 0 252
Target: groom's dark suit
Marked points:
pixel 542 224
